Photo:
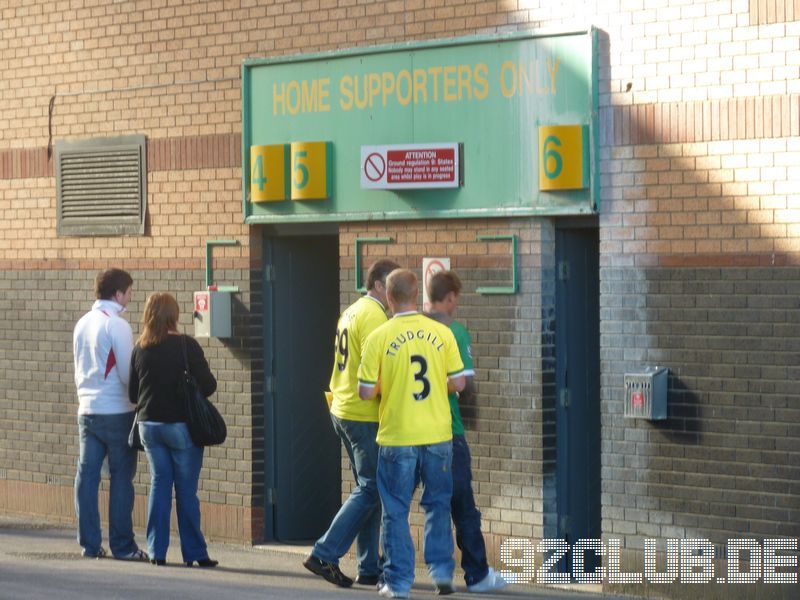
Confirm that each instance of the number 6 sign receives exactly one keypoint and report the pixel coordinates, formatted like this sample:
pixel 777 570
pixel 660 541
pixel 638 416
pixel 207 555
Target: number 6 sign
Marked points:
pixel 563 157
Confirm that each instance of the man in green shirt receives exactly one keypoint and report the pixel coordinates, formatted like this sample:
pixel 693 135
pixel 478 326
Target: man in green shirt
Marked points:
pixel 443 290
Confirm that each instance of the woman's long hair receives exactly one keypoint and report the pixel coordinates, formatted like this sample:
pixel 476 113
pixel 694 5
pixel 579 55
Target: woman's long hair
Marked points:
pixel 160 317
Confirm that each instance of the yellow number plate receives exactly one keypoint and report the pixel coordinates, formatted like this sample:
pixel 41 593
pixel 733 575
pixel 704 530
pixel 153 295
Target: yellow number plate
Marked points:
pixel 563 160
pixel 268 173
pixel 311 170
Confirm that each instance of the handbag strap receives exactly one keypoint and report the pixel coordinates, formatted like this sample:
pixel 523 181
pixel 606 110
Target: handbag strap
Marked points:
pixel 185 354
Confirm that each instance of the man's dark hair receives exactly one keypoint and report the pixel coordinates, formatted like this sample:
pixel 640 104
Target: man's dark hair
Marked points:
pixel 379 271
pixel 442 283
pixel 111 281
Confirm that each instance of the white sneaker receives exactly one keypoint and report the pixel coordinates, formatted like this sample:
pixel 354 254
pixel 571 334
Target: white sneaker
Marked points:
pixel 492 582
pixel 387 592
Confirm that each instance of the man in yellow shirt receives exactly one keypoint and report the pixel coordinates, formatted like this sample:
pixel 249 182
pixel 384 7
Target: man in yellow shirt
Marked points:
pixel 356 423
pixel 413 362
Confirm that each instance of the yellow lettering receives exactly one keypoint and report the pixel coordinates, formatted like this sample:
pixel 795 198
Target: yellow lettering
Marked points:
pixel 293 105
pixel 324 93
pixel 464 81
pixel 420 86
pixel 278 98
pixel 435 72
pixel 481 74
pixel 374 86
pixel 309 96
pixel 525 79
pixel 449 84
pixel 553 69
pixel 361 102
pixel 388 85
pixel 504 70
pixel 539 79
pixel 404 76
pixel 346 91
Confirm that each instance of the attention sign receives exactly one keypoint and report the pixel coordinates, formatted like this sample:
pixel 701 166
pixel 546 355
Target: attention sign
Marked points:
pixel 410 166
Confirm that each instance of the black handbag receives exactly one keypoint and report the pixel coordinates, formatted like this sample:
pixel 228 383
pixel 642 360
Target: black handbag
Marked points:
pixel 134 441
pixel 206 425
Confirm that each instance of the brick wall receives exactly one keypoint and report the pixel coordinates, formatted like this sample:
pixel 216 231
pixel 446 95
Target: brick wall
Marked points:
pixel 698 250
pixel 726 461
pixel 39 445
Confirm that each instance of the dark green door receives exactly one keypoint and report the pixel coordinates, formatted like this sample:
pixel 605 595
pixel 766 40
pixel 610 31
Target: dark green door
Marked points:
pixel 303 453
pixel 577 387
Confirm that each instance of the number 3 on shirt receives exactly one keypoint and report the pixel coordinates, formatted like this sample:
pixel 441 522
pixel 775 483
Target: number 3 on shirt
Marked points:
pixel 420 376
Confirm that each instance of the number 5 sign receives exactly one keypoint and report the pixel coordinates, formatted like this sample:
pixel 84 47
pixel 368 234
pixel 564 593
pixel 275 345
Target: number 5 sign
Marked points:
pixel 310 170
pixel 563 157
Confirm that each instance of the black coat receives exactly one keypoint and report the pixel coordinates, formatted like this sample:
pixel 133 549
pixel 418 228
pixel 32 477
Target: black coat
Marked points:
pixel 155 377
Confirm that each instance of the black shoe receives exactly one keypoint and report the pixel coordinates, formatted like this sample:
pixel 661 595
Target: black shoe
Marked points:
pixel 203 562
pixel 158 561
pixel 328 571
pixel 367 579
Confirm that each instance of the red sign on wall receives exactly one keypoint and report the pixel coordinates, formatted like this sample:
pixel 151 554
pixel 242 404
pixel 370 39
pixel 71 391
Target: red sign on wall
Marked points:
pixel 201 301
pixel 421 166
pixel 410 166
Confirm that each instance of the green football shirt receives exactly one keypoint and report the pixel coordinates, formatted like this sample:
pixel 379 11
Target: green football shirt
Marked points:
pixel 412 356
pixel 465 350
pixel 357 321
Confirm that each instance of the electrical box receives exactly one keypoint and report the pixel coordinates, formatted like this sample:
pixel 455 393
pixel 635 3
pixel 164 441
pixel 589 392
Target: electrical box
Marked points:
pixel 212 314
pixel 646 394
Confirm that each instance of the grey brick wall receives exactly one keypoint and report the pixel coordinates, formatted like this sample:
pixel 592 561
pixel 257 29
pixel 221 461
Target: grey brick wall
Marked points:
pixel 39 442
pixel 726 462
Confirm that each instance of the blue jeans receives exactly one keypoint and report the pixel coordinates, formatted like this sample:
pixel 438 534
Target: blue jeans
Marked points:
pixel 101 436
pixel 466 516
pixel 359 518
pixel 174 460
pixel 400 468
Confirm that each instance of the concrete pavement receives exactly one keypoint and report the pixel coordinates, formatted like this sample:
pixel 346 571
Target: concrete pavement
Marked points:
pixel 43 561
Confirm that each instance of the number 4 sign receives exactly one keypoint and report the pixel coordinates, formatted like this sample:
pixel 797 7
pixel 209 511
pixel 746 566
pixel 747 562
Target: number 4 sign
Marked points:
pixel 268 176
pixel 563 157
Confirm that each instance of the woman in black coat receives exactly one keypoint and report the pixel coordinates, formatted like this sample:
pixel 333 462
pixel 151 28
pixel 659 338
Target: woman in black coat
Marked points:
pixel 157 364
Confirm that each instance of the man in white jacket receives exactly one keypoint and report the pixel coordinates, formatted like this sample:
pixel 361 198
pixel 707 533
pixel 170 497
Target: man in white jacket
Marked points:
pixel 102 343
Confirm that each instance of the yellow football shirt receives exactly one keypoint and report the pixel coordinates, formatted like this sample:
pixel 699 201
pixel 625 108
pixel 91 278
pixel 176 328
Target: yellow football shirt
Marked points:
pixel 357 321
pixel 412 356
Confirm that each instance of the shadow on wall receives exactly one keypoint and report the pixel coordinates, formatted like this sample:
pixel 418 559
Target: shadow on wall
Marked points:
pixel 684 423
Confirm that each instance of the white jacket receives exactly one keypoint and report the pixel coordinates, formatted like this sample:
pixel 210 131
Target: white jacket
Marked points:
pixel 102 343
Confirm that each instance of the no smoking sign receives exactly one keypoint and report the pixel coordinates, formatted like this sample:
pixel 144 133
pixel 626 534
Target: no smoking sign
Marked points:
pixel 431 266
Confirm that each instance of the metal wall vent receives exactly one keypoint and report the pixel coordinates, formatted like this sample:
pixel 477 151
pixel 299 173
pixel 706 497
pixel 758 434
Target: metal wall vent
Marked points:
pixel 101 185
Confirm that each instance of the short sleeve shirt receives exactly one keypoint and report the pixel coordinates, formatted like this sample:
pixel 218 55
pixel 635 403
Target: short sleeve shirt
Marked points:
pixel 357 321
pixel 412 356
pixel 465 351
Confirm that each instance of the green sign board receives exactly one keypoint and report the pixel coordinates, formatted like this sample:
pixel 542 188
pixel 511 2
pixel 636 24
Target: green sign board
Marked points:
pixel 520 108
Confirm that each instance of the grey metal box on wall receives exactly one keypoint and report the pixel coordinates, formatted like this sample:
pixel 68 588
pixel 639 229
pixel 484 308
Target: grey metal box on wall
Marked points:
pixel 212 314
pixel 646 393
